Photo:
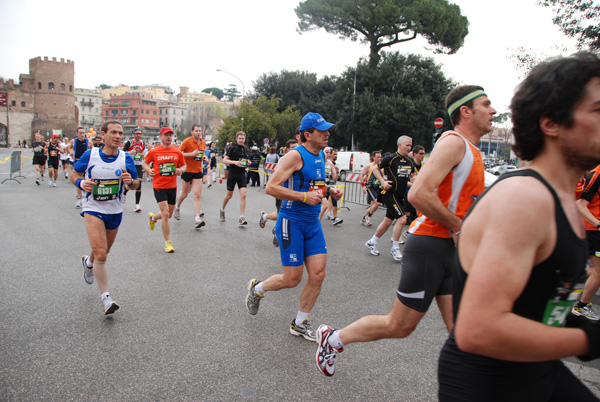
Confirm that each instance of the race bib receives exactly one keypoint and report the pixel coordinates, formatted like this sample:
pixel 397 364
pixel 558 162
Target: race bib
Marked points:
pixel 53 153
pixel 318 185
pixel 244 162
pixel 167 168
pixel 199 157
pixel 138 157
pixel 560 306
pixel 404 171
pixel 106 190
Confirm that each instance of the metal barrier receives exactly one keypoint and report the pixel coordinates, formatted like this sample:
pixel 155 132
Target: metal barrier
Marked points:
pixel 15 166
pixel 353 192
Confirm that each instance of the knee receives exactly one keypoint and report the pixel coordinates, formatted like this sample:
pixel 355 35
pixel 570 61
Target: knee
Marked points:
pixel 197 195
pixel 399 329
pixel 317 277
pixel 100 255
pixel 292 281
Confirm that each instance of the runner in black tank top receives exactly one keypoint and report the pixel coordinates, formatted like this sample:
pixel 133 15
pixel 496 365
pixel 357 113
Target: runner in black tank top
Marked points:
pixel 486 379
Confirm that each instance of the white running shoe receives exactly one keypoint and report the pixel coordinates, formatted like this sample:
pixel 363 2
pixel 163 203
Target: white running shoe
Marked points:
pixel 109 305
pixel 372 247
pixel 177 214
pixel 395 252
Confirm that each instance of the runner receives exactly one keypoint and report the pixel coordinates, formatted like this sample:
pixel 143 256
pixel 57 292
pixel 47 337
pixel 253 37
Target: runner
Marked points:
pixel 522 250
pixel 399 170
pixel 237 161
pixel 102 173
pixel 53 151
pixel 79 145
pixel 65 157
pixel 136 149
pixel 446 186
pixel 299 180
pixel 371 187
pixel 589 207
pixel 213 162
pixel 193 149
pixel 39 157
pixel 168 163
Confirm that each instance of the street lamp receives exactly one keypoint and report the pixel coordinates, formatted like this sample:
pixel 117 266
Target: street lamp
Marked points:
pixel 243 93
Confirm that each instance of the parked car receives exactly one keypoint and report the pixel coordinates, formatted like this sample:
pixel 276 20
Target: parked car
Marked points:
pixel 501 169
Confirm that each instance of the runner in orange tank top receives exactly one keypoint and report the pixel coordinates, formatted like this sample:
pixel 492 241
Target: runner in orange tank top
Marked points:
pixel 442 192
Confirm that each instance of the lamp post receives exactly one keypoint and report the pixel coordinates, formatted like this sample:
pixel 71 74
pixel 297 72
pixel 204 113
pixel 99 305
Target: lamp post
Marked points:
pixel 243 92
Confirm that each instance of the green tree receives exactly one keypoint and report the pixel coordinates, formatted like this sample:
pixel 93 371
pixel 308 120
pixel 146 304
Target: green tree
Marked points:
pixel 218 92
pixel 231 93
pixel 401 97
pixel 579 19
pixel 294 88
pixel 104 86
pixel 382 23
pixel 261 120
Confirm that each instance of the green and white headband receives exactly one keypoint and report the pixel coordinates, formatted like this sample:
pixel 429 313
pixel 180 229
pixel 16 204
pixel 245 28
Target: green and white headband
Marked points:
pixel 465 99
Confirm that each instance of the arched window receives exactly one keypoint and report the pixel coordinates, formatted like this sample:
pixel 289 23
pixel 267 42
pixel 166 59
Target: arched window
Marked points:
pixel 70 88
pixel 62 87
pixel 39 85
pixel 51 86
pixel 22 103
pixel 13 103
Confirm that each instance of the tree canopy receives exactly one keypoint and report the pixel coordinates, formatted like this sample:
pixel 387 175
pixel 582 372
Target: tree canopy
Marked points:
pixel 579 19
pixel 218 92
pixel 261 120
pixel 382 23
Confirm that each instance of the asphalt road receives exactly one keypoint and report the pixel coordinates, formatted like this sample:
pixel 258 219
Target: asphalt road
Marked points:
pixel 183 332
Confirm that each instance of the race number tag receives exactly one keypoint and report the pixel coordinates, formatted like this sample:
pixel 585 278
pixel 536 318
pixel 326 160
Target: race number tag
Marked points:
pixel 318 185
pixel 560 306
pixel 53 153
pixel 106 190
pixel 244 162
pixel 167 168
pixel 199 156
pixel 138 157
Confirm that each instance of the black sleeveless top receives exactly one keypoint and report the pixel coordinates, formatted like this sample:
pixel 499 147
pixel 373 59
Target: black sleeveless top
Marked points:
pixel 565 264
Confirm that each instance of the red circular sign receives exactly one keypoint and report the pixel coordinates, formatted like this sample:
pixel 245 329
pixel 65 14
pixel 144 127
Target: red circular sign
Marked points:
pixel 438 123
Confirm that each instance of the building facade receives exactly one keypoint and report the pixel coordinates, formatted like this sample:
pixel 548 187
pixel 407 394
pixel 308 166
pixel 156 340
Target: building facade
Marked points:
pixel 43 101
pixel 89 103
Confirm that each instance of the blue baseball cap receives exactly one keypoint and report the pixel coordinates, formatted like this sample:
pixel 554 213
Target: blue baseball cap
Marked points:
pixel 314 120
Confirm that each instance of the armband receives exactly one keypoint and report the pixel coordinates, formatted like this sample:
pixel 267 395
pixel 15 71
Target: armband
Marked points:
pixel 304 197
pixel 77 183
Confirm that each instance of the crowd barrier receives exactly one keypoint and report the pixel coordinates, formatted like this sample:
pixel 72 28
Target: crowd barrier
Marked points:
pixel 352 192
pixel 16 163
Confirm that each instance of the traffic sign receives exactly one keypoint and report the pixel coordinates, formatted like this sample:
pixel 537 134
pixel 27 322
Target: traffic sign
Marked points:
pixel 266 140
pixel 3 99
pixel 438 123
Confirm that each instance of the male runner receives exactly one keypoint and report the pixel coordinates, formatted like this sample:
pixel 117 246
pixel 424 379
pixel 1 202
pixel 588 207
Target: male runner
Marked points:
pixel 193 149
pixel 102 173
pixel 519 262
pixel 371 187
pixel 447 184
pixel 213 162
pixel 65 157
pixel 53 151
pixel 237 161
pixel 168 163
pixel 399 169
pixel 589 207
pixel 39 157
pixel 299 180
pixel 79 145
pixel 136 149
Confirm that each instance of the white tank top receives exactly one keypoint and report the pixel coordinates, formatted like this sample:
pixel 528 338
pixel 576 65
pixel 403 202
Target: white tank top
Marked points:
pixel 105 198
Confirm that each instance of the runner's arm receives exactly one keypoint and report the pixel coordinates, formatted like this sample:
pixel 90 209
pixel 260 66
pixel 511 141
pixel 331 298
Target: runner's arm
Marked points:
pixel 499 260
pixel 287 165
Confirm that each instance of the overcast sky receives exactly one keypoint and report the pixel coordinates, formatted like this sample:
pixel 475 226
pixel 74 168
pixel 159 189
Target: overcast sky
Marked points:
pixel 183 43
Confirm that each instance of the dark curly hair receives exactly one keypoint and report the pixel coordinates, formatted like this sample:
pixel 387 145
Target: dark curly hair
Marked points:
pixel 553 89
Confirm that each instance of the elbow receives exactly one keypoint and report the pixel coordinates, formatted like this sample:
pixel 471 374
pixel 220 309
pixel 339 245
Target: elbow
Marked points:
pixel 269 189
pixel 472 338
pixel 414 197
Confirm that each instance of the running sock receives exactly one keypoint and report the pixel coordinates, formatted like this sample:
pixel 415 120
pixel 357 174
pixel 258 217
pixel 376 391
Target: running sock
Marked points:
pixel 301 316
pixel 395 244
pixel 104 295
pixel 88 263
pixel 581 304
pixel 259 289
pixel 370 214
pixel 138 196
pixel 374 239
pixel 335 341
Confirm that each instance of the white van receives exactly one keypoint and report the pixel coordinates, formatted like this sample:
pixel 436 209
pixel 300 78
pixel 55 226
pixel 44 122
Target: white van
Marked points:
pixel 351 162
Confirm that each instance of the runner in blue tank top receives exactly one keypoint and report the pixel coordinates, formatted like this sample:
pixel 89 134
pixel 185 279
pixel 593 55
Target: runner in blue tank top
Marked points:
pixel 299 181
